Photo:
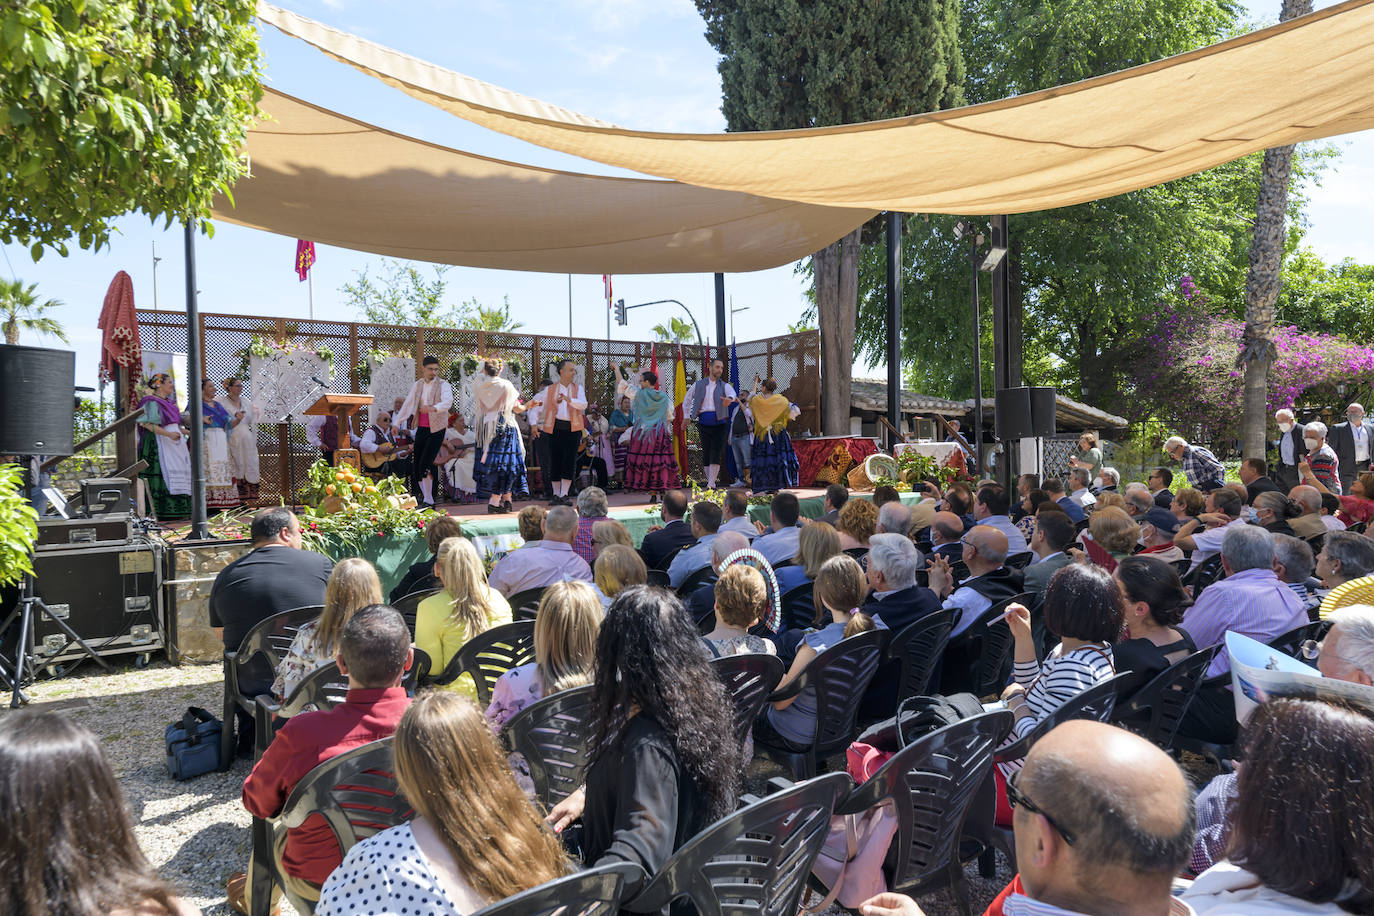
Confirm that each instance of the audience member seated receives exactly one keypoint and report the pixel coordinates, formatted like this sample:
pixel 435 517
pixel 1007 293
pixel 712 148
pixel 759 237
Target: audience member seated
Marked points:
pixel 421 576
pixel 701 601
pixel 1108 481
pixel 858 522
pixel 1254 474
pixel 352 585
pixel 1053 535
pixel 1138 500
pixel 1308 522
pixel 1155 604
pixel 816 543
pixel 895 518
pixel 1029 504
pixel 705 527
pixel 741 597
pixel 1055 488
pixel 1223 513
pixel 530 521
pixel 836 495
pixel 607 532
pixel 1159 482
pixel 1114 537
pixel 946 537
pixel 1297 832
pixel 990 508
pixel 1273 510
pixel 275 576
pixel 1344 556
pixel 959 500
pixel 1110 498
pixel 592 507
pixel 665 771
pixel 374 653
pixel 1025 483
pixel 781 544
pixel 1358 504
pixel 884 494
pixel 565 632
pixel 68 844
pixel 1250 600
pixel 618 567
pixel 896 602
pixel 1078 488
pixel 840 588
pixel 736 515
pixel 1294 564
pixel 1084 608
pixel 988 582
pixel 1188 503
pixel 546 561
pixel 1103 820
pixel 1331 505
pixel 475 837
pixel 660 542
pixel 465 606
pixel 1157 529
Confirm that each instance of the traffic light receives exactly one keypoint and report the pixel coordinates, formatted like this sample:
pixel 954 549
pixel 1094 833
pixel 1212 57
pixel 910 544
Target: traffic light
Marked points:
pixel 620 315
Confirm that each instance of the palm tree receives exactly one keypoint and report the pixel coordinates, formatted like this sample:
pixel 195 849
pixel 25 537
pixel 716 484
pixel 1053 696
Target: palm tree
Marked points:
pixel 495 318
pixel 675 331
pixel 1263 280
pixel 20 308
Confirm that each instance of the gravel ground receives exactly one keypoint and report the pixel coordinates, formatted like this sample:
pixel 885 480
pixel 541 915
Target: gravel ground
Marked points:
pixel 196 832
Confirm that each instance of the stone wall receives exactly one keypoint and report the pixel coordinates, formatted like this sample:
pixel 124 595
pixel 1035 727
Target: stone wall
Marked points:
pixel 193 571
pixel 67 476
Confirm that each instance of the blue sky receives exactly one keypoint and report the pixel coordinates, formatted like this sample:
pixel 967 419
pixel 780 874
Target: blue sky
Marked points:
pixel 638 63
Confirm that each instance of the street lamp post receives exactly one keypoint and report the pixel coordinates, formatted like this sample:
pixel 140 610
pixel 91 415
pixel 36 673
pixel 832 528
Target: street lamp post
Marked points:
pixel 979 260
pixel 695 326
pixel 742 308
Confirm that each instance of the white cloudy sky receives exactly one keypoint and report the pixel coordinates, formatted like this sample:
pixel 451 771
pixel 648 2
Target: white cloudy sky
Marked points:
pixel 640 63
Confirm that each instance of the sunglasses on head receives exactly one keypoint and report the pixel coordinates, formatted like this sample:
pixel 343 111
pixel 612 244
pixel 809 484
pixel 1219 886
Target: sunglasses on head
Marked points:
pixel 1017 799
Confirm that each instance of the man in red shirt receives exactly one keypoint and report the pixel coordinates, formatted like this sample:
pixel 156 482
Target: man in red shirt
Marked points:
pixel 374 652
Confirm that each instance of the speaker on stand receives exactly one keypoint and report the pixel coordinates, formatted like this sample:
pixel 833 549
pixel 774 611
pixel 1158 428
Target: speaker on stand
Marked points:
pixel 1026 414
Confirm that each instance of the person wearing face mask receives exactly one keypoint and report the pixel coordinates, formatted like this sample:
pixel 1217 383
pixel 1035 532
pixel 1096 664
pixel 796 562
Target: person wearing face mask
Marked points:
pixel 1321 459
pixel 1291 450
pixel 1353 444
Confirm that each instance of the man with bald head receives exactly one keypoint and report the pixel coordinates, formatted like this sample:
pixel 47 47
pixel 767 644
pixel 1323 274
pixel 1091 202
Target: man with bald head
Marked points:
pixel 946 529
pixel 1309 524
pixel 989 579
pixel 1103 821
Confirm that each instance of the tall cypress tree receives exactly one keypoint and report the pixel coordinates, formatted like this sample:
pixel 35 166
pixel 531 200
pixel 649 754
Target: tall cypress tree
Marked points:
pixel 816 63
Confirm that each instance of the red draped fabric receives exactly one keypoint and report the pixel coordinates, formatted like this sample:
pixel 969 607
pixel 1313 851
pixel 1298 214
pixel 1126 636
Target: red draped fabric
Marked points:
pixel 812 454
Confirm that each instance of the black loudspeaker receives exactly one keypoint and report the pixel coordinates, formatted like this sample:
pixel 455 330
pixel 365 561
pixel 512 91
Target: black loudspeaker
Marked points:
pixel 1014 414
pixel 1043 412
pixel 104 495
pixel 36 403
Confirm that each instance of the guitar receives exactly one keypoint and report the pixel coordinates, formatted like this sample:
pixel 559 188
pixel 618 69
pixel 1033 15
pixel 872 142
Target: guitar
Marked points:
pixel 379 459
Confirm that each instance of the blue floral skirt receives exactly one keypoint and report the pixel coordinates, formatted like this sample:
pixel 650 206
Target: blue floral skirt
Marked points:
pixel 503 471
pixel 772 463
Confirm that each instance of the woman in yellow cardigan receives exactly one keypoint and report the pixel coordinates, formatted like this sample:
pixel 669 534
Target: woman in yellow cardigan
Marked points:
pixel 465 606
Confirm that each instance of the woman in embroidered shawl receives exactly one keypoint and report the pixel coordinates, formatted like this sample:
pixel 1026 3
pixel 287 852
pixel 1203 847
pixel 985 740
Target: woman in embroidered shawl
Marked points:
pixel 650 463
pixel 772 460
pixel 162 443
pixel 498 438
pixel 220 492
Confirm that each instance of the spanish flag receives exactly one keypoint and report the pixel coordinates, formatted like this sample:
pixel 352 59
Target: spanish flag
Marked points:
pixel 679 424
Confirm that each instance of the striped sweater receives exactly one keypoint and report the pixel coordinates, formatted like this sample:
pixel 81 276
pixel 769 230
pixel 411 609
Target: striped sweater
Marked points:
pixel 1058 680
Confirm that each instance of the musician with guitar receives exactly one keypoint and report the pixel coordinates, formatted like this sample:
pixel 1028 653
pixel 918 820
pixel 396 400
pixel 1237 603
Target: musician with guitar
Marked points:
pixel 459 443
pixel 382 456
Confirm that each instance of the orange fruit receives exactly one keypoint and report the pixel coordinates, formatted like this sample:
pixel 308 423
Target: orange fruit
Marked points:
pixel 357 488
pixel 329 489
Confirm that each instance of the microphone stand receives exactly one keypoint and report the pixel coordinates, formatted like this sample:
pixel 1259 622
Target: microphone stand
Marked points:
pixel 291 447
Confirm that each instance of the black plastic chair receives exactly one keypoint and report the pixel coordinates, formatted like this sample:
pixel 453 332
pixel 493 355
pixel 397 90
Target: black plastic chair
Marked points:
pixel 857 553
pixel 594 892
pixel 525 605
pixel 1204 574
pixel 490 654
pixel 1316 542
pixel 1358 527
pixel 755 860
pixel 696 580
pixel 932 785
pixel 1020 560
pixel 659 579
pixel 261 651
pixel 1081 525
pixel 357 796
pixel 749 678
pixel 978 660
pixel 839 676
pixel 799 607
pixel 554 735
pixel 1290 643
pixel 409 605
pixel 919 648
pixel 668 559
pixel 1164 699
pixel 1182 566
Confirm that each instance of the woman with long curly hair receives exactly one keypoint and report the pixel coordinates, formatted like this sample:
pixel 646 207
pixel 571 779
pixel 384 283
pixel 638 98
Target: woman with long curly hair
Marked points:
pixel 475 838
pixel 664 761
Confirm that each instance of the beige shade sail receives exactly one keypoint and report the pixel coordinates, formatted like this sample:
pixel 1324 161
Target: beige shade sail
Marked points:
pixel 1301 80
pixel 315 174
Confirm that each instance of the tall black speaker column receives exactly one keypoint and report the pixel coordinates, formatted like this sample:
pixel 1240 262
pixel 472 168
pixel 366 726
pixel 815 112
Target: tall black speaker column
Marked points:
pixel 36 401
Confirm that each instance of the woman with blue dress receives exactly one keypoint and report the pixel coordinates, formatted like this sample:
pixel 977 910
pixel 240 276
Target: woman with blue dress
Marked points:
pixel 772 460
pixel 650 463
pixel 502 450
pixel 220 492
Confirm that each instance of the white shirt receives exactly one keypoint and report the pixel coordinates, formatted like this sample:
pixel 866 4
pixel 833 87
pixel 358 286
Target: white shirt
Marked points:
pixel 779 546
pixel 369 443
pixel 1083 497
pixel 970 605
pixel 1208 543
pixel 741 526
pixel 575 398
pixel 1229 890
pixel 314 427
pixel 1332 523
pixel 440 390
pixel 1361 437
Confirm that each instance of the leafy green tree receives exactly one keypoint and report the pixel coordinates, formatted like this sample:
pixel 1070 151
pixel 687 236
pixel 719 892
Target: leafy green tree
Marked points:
pixel 110 106
pixel 491 318
pixel 21 310
pixel 787 64
pixel 1335 299
pixel 403 296
pixel 675 331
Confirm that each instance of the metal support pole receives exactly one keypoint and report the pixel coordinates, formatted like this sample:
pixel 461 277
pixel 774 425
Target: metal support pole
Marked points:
pixel 977 364
pixel 894 310
pixel 200 528
pixel 1006 334
pixel 721 339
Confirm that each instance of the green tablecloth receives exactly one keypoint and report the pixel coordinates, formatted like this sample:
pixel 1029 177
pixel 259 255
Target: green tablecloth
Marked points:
pixel 391 556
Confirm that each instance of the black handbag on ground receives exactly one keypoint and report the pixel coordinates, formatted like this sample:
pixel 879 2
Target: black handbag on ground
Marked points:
pixel 193 744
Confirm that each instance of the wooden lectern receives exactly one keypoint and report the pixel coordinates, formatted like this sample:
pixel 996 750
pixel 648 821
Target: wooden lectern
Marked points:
pixel 342 406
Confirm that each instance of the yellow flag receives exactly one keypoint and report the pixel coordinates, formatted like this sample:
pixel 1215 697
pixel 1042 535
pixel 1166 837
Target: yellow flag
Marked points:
pixel 679 422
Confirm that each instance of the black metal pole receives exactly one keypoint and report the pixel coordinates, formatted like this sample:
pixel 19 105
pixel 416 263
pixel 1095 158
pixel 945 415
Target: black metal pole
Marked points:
pixel 894 310
pixel 977 365
pixel 722 340
pixel 200 528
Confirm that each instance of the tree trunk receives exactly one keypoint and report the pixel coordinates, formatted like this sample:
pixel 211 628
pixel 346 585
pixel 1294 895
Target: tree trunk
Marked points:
pixel 1263 280
pixel 11 332
pixel 836 272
